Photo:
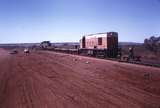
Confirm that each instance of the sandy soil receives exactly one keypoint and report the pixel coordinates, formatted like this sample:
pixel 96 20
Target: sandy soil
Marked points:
pixel 52 80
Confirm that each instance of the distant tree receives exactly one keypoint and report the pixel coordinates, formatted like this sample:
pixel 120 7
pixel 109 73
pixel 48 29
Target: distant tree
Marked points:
pixel 45 44
pixel 153 44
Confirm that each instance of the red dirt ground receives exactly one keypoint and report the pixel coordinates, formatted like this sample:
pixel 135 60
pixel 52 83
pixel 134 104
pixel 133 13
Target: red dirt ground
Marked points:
pixel 53 80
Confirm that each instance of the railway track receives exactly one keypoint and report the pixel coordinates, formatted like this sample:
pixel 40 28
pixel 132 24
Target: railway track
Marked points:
pixel 112 59
pixel 132 62
pixel 142 63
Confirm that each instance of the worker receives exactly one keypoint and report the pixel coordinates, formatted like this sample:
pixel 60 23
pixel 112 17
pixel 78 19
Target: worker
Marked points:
pixel 120 52
pixel 131 53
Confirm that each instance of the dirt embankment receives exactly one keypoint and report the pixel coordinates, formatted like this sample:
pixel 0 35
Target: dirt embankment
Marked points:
pixel 52 80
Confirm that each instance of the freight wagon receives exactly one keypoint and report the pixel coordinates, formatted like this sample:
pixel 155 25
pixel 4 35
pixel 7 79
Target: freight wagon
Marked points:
pixel 100 44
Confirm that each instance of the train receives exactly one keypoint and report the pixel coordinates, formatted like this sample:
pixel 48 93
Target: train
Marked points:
pixel 96 45
pixel 100 44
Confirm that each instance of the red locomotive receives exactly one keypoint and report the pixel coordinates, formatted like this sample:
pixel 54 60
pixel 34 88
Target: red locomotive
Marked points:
pixel 100 44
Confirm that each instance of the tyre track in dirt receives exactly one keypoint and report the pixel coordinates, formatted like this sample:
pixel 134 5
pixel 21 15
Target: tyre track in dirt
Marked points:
pixel 6 66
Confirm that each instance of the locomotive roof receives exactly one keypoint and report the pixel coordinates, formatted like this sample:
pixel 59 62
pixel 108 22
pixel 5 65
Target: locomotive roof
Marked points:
pixel 98 35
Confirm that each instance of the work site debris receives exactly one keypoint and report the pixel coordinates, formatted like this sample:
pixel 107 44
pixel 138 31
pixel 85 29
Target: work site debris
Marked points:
pixel 87 62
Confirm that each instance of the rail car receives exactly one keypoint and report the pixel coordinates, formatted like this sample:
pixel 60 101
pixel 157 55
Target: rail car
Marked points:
pixel 100 44
pixel 69 51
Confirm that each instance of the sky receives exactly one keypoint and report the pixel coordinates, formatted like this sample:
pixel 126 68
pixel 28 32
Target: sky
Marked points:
pixel 23 21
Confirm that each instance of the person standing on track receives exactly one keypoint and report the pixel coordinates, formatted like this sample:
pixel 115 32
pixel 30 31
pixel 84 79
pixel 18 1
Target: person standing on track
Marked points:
pixel 131 53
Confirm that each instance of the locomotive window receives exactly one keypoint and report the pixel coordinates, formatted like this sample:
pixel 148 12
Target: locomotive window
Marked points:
pixel 99 41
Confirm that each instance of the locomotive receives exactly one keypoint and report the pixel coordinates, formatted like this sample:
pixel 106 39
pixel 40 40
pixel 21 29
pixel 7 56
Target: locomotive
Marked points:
pixel 100 44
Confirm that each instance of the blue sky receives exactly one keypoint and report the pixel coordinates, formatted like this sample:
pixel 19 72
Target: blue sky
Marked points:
pixel 69 20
